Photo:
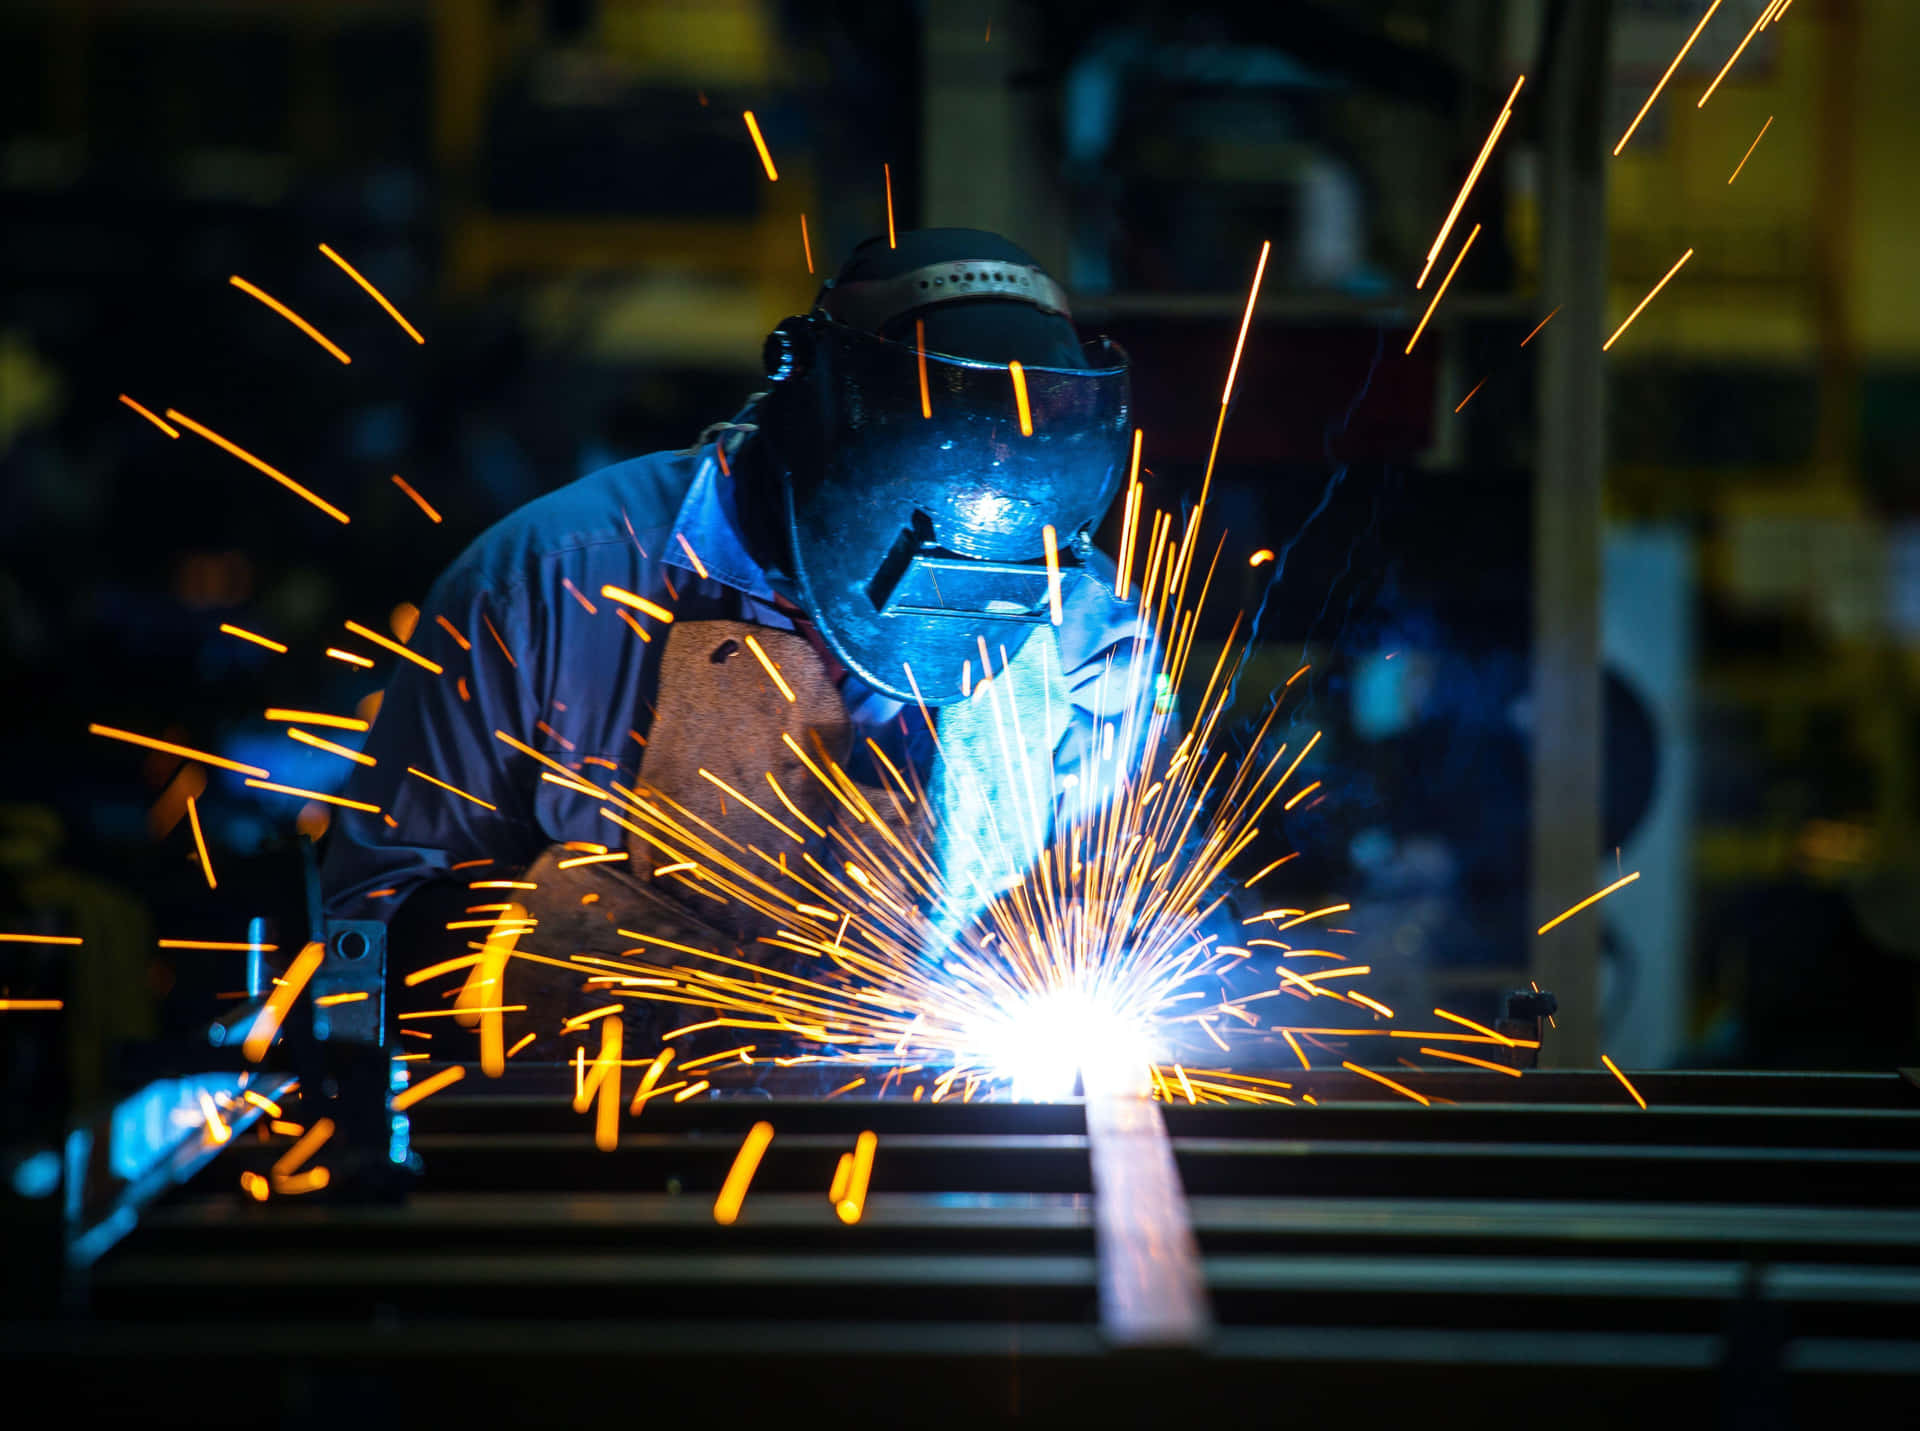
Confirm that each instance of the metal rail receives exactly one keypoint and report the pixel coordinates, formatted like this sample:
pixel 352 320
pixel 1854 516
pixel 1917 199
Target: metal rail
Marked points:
pixel 1151 1290
pixel 1748 1236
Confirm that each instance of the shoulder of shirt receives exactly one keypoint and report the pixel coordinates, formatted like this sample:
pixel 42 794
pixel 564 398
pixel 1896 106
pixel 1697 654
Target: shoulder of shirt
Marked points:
pixel 630 505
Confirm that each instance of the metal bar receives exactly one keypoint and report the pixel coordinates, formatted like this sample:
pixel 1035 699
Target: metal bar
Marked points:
pixel 1151 1290
pixel 1570 465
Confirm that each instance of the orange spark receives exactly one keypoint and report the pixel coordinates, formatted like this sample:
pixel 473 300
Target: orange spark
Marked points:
pixel 886 171
pixel 854 1202
pixel 1270 869
pixel 254 462
pixel 486 622
pixel 332 749
pixel 445 966
pixel 606 1120
pixel 1469 1058
pixel 421 502
pixel 316 718
pixel 287 313
pixel 241 946
pixel 1470 392
pixel 1758 25
pixel 434 780
pixel 591 859
pixel 1615 1071
pixel 1476 1027
pixel 427 1087
pixel 166 427
pixel 1261 557
pixel 1441 291
pixel 1129 521
pixel 1750 148
pixel 753 128
pixel 520 1043
pixel 1020 397
pixel 324 799
pixel 352 658
pixel 254 1185
pixel 462 642
pixel 843 1174
pixel 170 748
pixel 635 626
pixel 1301 795
pixel 699 567
pixel 733 1192
pixel 638 603
pixel 1294 1044
pixel 331 999
pixel 1053 570
pixel 375 294
pixel 846 1088
pixel 650 1078
pixel 1591 899
pixel 772 670
pixel 920 352
pixel 263 1103
pixel 310 1142
pixel 580 1021
pixel 1665 77
pixel 1645 301
pixel 1246 321
pixel 270 644
pixel 1460 199
pixel 200 843
pixel 394 646
pixel 1541 324
pixel 692 1090
pixel 1374 1004
pixel 217 1130
pixel 310 1181
pixel 806 243
pixel 1420 1098
pixel 267 1023
pixel 31 1005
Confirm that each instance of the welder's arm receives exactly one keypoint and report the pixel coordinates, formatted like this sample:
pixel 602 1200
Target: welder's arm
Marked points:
pixel 441 726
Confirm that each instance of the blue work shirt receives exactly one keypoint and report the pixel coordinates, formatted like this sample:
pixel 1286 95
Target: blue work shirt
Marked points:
pixel 529 646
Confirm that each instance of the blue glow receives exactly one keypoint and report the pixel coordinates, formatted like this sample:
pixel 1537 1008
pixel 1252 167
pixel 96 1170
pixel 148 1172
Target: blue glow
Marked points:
pixel 38 1175
pixel 290 762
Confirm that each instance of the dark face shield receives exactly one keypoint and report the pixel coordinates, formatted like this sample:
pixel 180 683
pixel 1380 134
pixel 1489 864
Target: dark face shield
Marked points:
pixel 918 493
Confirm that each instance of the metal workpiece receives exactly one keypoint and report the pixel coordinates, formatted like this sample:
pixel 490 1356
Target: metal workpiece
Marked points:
pixel 1541 1230
pixel 1151 1290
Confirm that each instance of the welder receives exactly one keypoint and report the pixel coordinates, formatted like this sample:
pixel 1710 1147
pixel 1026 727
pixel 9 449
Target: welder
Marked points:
pixel 870 524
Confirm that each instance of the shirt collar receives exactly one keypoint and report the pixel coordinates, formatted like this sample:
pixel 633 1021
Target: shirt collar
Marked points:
pixel 707 529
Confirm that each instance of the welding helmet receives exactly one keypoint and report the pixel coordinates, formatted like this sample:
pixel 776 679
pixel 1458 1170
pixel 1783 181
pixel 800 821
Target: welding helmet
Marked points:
pixel 930 418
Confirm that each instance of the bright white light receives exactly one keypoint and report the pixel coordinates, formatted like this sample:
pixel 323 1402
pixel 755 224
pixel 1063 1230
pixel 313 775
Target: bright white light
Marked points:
pixel 1042 1045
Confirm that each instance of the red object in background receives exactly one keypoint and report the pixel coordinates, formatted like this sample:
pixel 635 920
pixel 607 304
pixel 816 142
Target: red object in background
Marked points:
pixel 1295 384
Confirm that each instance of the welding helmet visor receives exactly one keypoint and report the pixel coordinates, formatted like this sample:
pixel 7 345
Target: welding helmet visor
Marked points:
pixel 917 491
